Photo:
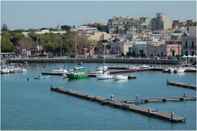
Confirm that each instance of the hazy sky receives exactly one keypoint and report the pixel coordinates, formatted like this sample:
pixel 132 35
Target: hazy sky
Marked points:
pixel 37 14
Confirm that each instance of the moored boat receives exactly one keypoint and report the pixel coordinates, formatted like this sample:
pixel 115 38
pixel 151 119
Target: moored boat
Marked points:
pixel 5 71
pixel 60 70
pixel 168 70
pixel 77 73
pixel 104 76
pixel 120 77
pixel 179 70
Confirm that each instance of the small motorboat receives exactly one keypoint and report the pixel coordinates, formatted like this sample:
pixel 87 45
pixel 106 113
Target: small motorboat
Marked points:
pixel 179 70
pixel 5 71
pixel 102 68
pixel 77 73
pixel 104 76
pixel 19 69
pixel 120 77
pixel 168 70
pixel 79 68
pixel 60 70
pixel 145 66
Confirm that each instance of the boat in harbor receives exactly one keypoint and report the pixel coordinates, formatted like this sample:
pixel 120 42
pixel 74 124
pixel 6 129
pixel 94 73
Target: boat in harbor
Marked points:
pixel 20 69
pixel 5 71
pixel 120 77
pixel 168 70
pixel 179 70
pixel 12 69
pixel 174 70
pixel 104 76
pixel 60 70
pixel 77 73
pixel 101 69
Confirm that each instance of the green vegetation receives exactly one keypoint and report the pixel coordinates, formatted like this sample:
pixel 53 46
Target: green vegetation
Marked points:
pixel 6 44
pixel 69 43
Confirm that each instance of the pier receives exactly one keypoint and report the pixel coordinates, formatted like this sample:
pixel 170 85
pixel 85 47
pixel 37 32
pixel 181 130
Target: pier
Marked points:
pixel 161 99
pixel 122 105
pixel 181 85
pixel 53 73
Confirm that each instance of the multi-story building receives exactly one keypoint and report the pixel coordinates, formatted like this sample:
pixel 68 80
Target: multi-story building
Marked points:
pixel 139 49
pixel 85 30
pixel 173 48
pixel 161 22
pixel 125 46
pixel 156 49
pixel 128 24
pixel 148 49
pixel 189 42
pixel 98 36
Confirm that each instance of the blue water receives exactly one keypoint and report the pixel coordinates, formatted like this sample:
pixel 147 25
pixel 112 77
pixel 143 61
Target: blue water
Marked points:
pixel 31 105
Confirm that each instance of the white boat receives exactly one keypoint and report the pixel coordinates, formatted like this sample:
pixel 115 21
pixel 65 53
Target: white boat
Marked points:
pixel 99 72
pixel 5 71
pixel 19 69
pixel 179 70
pixel 60 70
pixel 104 76
pixel 145 66
pixel 120 77
pixel 102 68
pixel 169 70
pixel 79 68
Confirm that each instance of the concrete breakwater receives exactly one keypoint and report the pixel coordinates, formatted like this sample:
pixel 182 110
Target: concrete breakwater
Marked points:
pixel 181 85
pixel 121 105
pixel 94 60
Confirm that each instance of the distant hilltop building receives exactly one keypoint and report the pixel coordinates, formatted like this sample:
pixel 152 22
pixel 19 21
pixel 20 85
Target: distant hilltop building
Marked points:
pixel 128 24
pixel 138 24
pixel 182 24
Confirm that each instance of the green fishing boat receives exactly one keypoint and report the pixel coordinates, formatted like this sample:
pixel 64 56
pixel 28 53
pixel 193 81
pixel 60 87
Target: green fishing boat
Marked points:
pixel 78 73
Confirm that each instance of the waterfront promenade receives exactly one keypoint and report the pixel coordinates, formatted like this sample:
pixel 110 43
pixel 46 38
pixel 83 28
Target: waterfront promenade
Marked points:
pixel 93 60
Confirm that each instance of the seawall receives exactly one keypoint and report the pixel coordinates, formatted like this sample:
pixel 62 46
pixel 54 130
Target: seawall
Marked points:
pixel 93 60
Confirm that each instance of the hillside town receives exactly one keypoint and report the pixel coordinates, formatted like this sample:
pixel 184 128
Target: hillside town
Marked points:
pixel 136 37
pixel 98 65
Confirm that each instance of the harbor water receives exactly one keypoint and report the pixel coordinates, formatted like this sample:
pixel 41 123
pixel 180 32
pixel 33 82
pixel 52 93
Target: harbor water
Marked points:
pixel 28 103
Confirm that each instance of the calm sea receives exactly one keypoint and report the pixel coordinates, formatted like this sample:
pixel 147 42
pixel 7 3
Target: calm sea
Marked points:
pixel 31 104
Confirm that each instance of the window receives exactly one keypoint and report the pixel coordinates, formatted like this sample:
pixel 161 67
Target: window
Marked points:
pixel 162 54
pixel 193 53
pixel 186 53
pixel 185 44
pixel 192 44
pixel 173 52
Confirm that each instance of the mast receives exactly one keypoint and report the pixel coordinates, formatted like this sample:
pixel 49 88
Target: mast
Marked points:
pixel 104 58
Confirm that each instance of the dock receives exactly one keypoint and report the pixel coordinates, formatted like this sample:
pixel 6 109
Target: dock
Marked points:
pixel 171 117
pixel 181 85
pixel 161 99
pixel 53 73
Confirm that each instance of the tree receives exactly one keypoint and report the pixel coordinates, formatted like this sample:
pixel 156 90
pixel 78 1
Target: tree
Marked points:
pixel 65 27
pixel 16 37
pixel 6 44
pixel 4 28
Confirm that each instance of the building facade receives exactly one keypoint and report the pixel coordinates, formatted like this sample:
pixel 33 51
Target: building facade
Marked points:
pixel 173 48
pixel 123 25
pixel 189 42
pixel 161 22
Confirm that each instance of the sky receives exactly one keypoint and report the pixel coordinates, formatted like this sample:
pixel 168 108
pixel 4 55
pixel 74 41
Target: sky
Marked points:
pixel 37 14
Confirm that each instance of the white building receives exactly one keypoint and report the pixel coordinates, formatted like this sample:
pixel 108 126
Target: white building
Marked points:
pixel 86 30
